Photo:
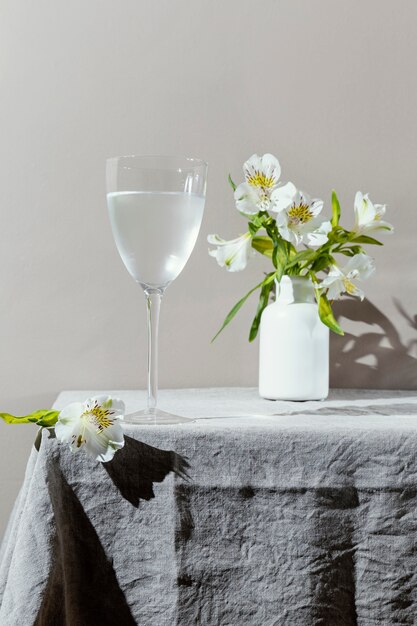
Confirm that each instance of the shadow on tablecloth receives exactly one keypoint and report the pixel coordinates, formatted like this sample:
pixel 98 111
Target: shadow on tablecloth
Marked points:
pixel 137 466
pixel 82 587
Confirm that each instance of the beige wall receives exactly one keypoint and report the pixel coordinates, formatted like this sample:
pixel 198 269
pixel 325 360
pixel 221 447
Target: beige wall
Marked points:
pixel 329 86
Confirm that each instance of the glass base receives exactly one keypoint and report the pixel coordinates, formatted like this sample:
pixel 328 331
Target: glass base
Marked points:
pixel 155 417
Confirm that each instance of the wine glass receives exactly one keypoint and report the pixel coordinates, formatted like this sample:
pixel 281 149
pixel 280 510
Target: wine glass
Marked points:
pixel 156 206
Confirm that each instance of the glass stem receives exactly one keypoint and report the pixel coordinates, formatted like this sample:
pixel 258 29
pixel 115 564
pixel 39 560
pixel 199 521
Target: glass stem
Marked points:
pixel 153 304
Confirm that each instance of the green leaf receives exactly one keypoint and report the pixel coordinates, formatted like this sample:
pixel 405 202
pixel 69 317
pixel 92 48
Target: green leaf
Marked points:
pixel 326 314
pixel 235 310
pixel 333 236
pixel 259 219
pixel 231 183
pixel 263 245
pixel 45 418
pixel 262 304
pixel 280 250
pixel 270 278
pixel 366 239
pixel 322 262
pixel 335 209
pixel 280 258
pixel 304 255
pixel 291 251
pixel 350 251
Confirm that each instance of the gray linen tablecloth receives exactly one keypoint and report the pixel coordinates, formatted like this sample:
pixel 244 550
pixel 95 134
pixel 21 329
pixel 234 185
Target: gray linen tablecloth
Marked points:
pixel 293 513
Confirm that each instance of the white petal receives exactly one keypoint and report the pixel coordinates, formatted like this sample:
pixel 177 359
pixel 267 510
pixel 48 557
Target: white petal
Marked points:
pixel 69 420
pixel 271 167
pixel 319 236
pixel 233 254
pixel 315 239
pixel 115 434
pixel 74 448
pixel 101 400
pixel 253 164
pixel 334 273
pixel 101 447
pixel 108 455
pixel 335 290
pixel 380 209
pixel 354 290
pixel 364 210
pixel 239 261
pixel 96 445
pixel 118 406
pixel 281 219
pixel 377 226
pixel 384 226
pixel 71 411
pixel 283 198
pixel 327 281
pixel 303 198
pixel 64 430
pixel 289 234
pixel 267 165
pixel 215 240
pixel 248 199
pixel 362 263
pixel 316 206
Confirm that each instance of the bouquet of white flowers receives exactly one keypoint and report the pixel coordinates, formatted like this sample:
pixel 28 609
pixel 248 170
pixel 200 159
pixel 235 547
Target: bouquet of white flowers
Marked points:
pixel 287 226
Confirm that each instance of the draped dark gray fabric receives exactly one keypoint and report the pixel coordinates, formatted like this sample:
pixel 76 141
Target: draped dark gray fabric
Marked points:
pixel 297 514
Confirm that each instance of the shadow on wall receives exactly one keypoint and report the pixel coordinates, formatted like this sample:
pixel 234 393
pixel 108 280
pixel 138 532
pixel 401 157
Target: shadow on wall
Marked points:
pixel 375 359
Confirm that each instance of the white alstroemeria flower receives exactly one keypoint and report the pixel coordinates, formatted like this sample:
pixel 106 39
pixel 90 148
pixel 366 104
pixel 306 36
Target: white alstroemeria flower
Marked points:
pixel 297 216
pixel 261 178
pixel 343 279
pixel 233 254
pixel 93 424
pixel 368 216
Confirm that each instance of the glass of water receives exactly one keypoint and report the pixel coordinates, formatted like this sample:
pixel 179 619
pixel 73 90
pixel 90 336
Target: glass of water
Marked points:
pixel 156 206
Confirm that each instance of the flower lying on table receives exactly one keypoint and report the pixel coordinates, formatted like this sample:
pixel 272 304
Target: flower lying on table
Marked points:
pixel 94 425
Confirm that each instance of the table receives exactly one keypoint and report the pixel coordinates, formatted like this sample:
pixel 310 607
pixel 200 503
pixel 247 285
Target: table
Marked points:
pixel 292 513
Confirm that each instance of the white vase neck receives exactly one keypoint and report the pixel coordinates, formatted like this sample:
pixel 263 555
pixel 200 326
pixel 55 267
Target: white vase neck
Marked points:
pixel 295 289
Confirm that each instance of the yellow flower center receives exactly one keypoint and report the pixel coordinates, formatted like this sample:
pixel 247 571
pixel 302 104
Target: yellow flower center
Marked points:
pixel 300 214
pixel 258 179
pixel 98 416
pixel 349 287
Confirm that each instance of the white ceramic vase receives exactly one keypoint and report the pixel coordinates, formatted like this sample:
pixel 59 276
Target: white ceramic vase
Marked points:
pixel 294 345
